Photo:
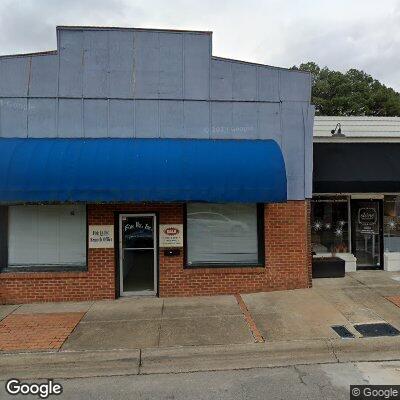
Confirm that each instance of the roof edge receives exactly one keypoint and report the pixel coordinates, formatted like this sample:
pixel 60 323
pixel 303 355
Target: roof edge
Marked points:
pixel 258 64
pixel 34 54
pixel 117 28
pixel 355 117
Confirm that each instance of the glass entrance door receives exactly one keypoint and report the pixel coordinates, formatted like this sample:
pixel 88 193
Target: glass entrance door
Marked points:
pixel 138 254
pixel 367 233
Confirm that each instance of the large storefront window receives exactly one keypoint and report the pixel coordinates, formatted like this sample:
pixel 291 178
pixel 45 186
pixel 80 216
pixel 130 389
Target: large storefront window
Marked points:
pixel 391 223
pixel 223 234
pixel 329 225
pixel 46 235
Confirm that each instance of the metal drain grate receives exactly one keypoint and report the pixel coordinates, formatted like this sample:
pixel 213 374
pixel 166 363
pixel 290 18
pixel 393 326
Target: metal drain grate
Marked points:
pixel 342 331
pixel 377 329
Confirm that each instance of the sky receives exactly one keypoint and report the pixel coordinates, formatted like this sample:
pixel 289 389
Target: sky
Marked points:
pixel 339 34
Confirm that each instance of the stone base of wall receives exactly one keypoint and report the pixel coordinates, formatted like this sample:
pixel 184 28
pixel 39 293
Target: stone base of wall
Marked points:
pixel 287 261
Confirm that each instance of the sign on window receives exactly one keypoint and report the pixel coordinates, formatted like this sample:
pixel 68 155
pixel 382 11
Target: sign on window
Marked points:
pixel 367 219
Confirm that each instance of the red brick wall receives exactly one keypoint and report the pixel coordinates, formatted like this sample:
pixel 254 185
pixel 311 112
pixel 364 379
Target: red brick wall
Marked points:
pixel 287 260
pixel 287 252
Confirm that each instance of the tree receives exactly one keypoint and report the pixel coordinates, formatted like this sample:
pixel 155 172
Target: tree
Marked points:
pixel 350 93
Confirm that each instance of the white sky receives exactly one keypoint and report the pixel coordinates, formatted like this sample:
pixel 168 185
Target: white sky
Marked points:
pixel 363 34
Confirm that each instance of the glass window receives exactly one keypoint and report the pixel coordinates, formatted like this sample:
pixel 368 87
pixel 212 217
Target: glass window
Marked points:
pixel 391 223
pixel 47 235
pixel 222 234
pixel 329 225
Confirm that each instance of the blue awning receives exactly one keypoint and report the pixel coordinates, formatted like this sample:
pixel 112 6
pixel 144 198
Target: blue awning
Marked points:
pixel 121 170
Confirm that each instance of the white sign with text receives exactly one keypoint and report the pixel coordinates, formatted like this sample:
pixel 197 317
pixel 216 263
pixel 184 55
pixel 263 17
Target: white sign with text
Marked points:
pixel 101 236
pixel 171 235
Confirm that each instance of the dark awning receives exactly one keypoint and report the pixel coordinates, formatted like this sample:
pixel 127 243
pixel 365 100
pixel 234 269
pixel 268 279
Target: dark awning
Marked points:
pixel 120 170
pixel 356 167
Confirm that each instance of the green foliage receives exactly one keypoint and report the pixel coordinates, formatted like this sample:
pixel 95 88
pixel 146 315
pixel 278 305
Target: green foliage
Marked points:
pixel 350 93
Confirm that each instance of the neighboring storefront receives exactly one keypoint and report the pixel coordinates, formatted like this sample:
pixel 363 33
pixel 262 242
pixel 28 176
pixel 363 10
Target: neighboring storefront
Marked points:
pixel 356 191
pixel 135 162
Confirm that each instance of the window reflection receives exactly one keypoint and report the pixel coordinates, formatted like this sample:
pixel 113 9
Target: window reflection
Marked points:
pixel 391 223
pixel 222 233
pixel 329 225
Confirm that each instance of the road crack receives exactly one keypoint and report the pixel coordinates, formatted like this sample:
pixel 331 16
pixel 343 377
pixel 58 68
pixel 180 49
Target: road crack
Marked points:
pixel 301 375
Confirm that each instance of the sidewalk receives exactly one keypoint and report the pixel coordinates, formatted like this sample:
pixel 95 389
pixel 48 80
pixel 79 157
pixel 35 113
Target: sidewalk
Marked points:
pixel 149 335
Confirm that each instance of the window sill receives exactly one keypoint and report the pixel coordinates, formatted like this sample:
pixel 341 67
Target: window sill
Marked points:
pixel 43 269
pixel 258 264
pixel 225 269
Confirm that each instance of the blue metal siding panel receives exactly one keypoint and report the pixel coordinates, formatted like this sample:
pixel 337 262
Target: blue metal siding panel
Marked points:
pixel 171 66
pixel 269 122
pixel 121 64
pixel 171 119
pixel 293 147
pixel 147 124
pixel 308 150
pixel 196 119
pixel 197 53
pixel 42 118
pixel 294 86
pixel 221 120
pixel 47 170
pixel 233 80
pixel 121 123
pixel 268 84
pixel 95 118
pixel 71 63
pixel 13 117
pixel 95 64
pixel 147 65
pixel 44 74
pixel 221 80
pixel 14 76
pixel 244 120
pixel 244 82
pixel 70 118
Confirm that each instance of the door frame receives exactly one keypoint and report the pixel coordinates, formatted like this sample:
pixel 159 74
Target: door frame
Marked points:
pixel 353 203
pixel 120 281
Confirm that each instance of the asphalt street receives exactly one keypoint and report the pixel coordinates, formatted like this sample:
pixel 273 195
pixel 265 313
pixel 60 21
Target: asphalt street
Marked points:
pixel 318 381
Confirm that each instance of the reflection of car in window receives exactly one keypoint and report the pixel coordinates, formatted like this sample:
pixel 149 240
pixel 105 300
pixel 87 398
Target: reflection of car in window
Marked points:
pixel 217 222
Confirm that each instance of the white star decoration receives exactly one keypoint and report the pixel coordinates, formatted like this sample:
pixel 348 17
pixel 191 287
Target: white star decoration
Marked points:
pixel 391 224
pixel 317 225
pixel 338 232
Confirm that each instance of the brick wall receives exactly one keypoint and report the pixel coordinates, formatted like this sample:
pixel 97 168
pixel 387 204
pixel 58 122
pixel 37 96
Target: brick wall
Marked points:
pixel 287 252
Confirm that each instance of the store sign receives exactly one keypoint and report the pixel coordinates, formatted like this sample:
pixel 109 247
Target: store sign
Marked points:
pixel 367 216
pixel 171 235
pixel 367 219
pixel 101 236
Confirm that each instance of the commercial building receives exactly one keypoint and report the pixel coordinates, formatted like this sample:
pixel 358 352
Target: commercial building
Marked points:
pixel 356 185
pixel 135 162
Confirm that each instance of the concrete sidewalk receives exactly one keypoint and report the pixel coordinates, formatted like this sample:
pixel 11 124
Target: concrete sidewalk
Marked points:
pixel 141 322
pixel 153 323
pixel 358 298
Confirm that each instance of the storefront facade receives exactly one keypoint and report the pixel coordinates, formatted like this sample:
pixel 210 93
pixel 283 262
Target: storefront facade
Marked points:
pixel 356 199
pixel 136 163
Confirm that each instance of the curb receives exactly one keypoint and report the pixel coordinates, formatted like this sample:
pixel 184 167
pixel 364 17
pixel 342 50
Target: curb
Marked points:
pixel 75 364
